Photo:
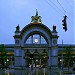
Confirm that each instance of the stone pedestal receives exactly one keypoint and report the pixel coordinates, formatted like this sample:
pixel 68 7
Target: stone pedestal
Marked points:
pixel 54 70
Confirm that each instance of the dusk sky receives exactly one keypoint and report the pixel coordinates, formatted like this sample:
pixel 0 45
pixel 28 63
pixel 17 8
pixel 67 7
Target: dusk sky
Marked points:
pixel 14 12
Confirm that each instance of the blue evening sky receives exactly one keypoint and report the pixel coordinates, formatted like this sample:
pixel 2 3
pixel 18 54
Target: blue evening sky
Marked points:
pixel 14 12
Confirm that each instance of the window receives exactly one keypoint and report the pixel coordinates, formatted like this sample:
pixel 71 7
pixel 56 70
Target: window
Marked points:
pixel 17 41
pixel 43 41
pixel 28 40
pixel 36 39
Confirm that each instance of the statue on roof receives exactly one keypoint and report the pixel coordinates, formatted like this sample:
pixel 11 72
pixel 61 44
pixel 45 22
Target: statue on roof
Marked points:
pixel 36 18
pixel 54 28
pixel 18 28
pixel 36 13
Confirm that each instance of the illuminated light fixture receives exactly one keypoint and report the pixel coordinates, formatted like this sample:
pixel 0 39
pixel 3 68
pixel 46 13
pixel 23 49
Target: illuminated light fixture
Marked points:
pixel 60 60
pixel 36 40
pixel 7 59
pixel 36 59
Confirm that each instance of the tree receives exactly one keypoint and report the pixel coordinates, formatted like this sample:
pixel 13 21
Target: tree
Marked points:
pixel 68 55
pixel 2 54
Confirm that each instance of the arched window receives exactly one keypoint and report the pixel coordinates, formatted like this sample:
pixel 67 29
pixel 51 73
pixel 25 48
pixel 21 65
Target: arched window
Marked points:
pixel 28 41
pixel 36 39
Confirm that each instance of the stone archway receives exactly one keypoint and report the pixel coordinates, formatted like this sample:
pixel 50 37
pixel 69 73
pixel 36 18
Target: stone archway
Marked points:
pixel 43 52
pixel 42 30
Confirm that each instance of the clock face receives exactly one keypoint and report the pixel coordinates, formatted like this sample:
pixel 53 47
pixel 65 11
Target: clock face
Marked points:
pixel 54 41
pixel 36 40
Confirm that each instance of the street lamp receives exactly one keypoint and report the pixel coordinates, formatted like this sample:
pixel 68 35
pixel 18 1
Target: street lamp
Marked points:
pixel 7 59
pixel 62 60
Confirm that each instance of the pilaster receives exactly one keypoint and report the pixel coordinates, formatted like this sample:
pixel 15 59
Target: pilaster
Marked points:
pixel 54 51
pixel 18 53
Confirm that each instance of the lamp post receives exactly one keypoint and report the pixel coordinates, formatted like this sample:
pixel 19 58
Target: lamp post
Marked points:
pixel 62 60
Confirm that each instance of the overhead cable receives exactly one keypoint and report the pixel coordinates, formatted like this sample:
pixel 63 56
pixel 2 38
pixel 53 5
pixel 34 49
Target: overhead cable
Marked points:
pixel 53 7
pixel 56 6
pixel 61 6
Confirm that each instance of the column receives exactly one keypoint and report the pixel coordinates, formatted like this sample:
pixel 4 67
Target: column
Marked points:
pixel 11 60
pixel 32 39
pixel 40 59
pixel 49 58
pixel 54 61
pixel 40 52
pixel 23 59
pixel 18 58
pixel 25 62
pixel 40 39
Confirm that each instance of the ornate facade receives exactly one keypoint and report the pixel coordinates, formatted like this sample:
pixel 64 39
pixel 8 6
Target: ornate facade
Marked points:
pixel 36 44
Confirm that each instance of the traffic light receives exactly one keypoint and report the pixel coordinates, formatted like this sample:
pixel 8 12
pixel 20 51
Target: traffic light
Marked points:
pixel 64 23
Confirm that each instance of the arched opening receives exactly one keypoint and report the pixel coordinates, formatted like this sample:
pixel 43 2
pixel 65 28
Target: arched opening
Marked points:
pixel 36 39
pixel 37 59
pixel 36 55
